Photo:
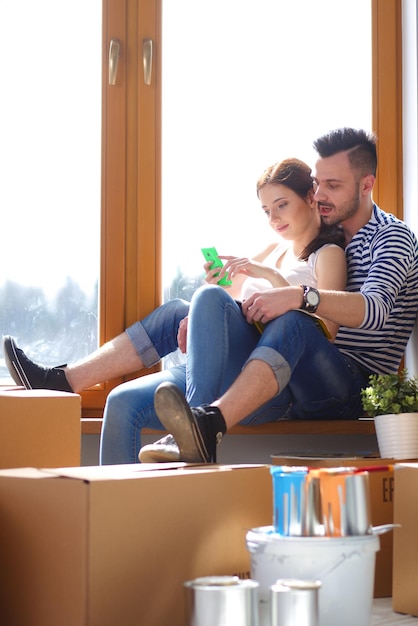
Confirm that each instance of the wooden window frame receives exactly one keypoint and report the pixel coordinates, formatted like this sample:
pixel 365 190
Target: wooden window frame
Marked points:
pixel 131 180
pixel 387 102
pixel 130 285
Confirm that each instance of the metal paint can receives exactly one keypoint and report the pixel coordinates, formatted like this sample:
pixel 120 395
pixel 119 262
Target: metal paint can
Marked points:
pixel 288 499
pixel 221 600
pixel 357 505
pixel 294 602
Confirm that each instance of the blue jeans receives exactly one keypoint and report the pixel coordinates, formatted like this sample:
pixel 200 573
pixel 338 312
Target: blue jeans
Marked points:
pixel 130 406
pixel 316 380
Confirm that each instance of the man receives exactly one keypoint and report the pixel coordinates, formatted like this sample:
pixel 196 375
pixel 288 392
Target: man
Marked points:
pixel 298 375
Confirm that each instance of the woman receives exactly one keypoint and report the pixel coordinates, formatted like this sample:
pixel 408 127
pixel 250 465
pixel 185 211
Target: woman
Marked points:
pixel 308 252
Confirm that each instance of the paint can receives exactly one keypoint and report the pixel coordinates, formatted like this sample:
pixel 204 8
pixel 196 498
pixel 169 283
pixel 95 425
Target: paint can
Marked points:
pixel 221 600
pixel 294 602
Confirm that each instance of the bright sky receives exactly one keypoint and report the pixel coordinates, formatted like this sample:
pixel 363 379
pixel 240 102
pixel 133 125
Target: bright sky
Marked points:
pixel 246 84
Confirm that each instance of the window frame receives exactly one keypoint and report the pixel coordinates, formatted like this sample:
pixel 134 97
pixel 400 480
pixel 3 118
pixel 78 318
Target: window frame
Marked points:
pixel 387 102
pixel 130 284
pixel 130 207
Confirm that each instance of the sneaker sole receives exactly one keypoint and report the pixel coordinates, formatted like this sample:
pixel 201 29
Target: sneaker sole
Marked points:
pixel 175 415
pixel 158 454
pixel 12 363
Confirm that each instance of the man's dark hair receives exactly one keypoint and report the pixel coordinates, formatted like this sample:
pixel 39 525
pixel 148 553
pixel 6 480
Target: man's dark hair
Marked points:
pixel 360 145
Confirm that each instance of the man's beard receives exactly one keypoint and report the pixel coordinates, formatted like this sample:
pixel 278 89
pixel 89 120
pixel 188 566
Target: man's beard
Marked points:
pixel 347 210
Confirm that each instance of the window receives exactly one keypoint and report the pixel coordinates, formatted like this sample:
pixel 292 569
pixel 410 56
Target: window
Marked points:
pixel 130 237
pixel 50 159
pixel 241 92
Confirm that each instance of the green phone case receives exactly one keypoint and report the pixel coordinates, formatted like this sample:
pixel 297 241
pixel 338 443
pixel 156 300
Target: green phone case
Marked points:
pixel 211 254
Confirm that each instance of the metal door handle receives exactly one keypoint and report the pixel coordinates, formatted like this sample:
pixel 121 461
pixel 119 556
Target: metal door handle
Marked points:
pixel 114 51
pixel 147 52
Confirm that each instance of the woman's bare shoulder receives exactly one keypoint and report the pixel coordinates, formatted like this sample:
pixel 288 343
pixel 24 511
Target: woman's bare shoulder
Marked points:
pixel 260 256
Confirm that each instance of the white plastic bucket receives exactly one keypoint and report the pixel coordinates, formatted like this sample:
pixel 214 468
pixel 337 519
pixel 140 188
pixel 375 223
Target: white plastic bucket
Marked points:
pixel 344 566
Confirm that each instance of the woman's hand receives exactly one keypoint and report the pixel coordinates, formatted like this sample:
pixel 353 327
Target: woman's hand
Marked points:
pixel 238 269
pixel 243 266
pixel 182 335
pixel 213 276
pixel 235 266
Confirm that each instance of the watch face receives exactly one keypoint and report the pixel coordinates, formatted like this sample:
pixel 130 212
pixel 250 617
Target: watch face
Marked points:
pixel 312 298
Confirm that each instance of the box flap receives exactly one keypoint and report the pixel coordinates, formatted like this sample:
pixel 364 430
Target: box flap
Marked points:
pixel 93 473
pixel 22 472
pixel 405 464
pixel 137 470
pixel 21 392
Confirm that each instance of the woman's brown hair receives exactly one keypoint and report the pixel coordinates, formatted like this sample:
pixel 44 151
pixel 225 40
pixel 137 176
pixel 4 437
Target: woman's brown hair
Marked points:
pixel 297 176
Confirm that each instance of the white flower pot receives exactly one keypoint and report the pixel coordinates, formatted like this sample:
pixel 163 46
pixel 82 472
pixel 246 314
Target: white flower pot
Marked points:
pixel 397 435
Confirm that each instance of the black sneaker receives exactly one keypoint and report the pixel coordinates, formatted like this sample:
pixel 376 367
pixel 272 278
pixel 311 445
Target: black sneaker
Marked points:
pixel 197 431
pixel 27 373
pixel 164 450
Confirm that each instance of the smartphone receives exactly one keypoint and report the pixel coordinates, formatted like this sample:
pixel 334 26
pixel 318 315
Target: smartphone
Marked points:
pixel 259 326
pixel 210 254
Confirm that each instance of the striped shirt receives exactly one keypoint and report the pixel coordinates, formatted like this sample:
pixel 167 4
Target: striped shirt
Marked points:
pixel 382 264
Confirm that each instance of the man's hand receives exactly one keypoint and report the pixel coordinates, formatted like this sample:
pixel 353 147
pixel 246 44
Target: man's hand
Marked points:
pixel 182 335
pixel 263 306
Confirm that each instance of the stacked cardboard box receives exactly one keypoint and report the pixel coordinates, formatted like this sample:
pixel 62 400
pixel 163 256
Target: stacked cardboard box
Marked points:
pixel 405 545
pixel 39 428
pixel 99 546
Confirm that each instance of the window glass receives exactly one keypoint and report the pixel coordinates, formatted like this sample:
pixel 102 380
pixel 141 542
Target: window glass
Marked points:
pixel 50 130
pixel 244 87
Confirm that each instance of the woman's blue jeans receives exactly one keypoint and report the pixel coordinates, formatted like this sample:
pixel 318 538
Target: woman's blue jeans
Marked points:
pixel 316 380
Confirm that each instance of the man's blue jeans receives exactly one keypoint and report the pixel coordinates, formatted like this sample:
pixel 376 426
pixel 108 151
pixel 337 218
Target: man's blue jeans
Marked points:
pixel 316 381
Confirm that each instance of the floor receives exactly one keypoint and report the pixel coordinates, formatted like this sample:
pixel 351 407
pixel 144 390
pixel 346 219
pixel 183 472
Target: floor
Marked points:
pixel 384 616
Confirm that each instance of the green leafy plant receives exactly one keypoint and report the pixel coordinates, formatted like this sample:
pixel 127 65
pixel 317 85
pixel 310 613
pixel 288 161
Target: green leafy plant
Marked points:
pixel 390 393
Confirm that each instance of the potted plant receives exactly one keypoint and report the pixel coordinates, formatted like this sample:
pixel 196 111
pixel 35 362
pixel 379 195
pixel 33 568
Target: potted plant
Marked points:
pixel 392 400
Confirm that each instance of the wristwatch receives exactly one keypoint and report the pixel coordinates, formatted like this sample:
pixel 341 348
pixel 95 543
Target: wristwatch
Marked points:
pixel 310 299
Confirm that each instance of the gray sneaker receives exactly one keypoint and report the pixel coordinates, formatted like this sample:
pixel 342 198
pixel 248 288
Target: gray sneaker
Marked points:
pixel 197 430
pixel 29 374
pixel 164 450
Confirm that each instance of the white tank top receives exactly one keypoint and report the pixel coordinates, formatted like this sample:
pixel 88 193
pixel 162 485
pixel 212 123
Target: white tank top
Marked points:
pixel 296 272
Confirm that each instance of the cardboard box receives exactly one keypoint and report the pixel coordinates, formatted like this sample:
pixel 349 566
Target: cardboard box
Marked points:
pixel 39 428
pixel 381 502
pixel 405 542
pixel 99 546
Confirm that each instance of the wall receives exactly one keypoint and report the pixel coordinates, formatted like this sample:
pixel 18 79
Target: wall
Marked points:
pixel 410 139
pixel 259 448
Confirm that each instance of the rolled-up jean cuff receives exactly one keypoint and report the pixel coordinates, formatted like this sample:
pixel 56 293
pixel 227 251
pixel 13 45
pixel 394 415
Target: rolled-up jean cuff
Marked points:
pixel 143 344
pixel 275 360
